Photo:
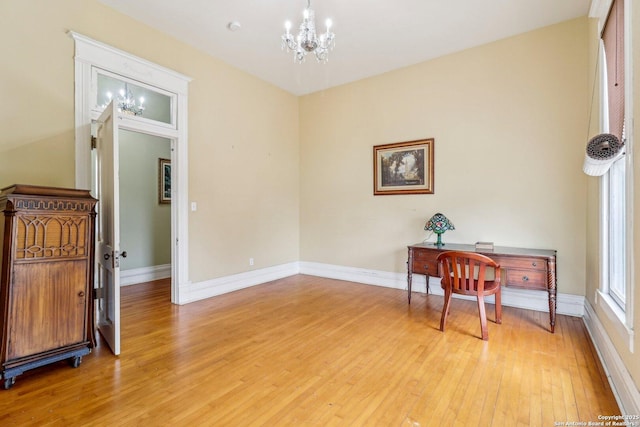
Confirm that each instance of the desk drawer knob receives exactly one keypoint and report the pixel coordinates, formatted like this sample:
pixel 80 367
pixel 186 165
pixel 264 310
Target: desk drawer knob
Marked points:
pixel 525 279
pixel 534 263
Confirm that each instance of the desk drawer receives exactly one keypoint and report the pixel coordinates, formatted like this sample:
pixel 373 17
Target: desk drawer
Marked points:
pixel 529 279
pixel 521 263
pixel 425 263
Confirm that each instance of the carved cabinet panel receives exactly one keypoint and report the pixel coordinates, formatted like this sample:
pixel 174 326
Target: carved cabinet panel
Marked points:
pixel 46 281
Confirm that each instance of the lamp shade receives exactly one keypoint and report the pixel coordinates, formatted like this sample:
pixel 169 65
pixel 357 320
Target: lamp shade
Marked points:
pixel 439 224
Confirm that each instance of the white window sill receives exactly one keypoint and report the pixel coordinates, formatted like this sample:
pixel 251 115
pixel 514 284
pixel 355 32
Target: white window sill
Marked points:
pixel 616 316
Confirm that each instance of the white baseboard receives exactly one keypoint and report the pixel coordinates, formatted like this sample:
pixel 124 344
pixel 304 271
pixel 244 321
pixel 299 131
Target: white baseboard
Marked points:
pixel 571 305
pixel 145 274
pixel 222 285
pixel 623 386
pixel 359 275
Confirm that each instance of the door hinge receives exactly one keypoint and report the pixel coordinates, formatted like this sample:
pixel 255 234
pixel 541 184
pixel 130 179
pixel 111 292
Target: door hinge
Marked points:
pixel 94 142
pixel 97 293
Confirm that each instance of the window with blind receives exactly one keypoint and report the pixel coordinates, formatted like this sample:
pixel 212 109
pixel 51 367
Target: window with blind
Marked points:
pixel 614 183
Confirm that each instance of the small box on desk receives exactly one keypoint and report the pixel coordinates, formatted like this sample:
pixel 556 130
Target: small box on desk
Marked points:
pixel 484 246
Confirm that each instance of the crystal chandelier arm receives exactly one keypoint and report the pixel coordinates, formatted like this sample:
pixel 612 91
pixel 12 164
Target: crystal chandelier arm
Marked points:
pixel 321 54
pixel 300 54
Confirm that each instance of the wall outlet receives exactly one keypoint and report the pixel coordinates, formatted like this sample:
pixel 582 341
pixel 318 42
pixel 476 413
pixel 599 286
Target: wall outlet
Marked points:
pixel 250 261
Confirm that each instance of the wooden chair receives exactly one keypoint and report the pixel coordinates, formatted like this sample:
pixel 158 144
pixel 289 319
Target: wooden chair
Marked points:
pixel 466 273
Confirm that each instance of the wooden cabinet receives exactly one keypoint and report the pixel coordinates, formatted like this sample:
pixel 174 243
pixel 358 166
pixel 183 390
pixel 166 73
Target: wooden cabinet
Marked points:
pixel 522 268
pixel 46 277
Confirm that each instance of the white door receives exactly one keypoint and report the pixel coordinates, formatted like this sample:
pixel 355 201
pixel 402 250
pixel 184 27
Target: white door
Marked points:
pixel 108 229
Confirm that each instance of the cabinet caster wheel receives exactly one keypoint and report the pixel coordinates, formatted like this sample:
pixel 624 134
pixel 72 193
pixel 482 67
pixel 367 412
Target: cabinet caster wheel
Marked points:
pixel 75 361
pixel 8 382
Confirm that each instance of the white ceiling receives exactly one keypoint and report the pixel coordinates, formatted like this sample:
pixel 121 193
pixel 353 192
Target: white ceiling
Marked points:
pixel 372 36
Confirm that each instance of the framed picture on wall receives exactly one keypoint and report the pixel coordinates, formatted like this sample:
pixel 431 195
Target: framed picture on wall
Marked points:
pixel 164 181
pixel 403 168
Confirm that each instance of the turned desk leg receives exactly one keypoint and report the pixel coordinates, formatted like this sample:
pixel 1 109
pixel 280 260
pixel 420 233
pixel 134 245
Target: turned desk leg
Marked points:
pixel 551 287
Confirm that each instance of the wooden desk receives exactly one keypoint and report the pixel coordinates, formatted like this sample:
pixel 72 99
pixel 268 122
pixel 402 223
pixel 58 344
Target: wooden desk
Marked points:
pixel 521 268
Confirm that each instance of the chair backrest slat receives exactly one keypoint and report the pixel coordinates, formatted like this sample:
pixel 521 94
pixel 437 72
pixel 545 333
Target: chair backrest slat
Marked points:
pixel 465 271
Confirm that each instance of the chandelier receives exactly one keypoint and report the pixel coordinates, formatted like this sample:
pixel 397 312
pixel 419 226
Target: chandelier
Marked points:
pixel 126 103
pixel 307 41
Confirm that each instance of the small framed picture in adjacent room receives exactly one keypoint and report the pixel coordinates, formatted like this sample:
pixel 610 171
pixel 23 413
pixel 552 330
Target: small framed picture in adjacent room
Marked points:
pixel 164 181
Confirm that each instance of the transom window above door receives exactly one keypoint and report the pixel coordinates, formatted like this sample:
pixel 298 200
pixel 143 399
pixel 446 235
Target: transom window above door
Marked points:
pixel 133 98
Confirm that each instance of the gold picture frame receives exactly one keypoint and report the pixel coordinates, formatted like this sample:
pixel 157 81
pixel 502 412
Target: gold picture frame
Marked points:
pixel 403 168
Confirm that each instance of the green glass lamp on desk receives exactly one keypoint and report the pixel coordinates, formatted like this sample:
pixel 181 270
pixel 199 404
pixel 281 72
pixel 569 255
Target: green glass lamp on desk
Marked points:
pixel 439 224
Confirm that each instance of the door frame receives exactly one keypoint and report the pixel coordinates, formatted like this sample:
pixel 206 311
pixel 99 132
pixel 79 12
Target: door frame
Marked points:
pixel 90 54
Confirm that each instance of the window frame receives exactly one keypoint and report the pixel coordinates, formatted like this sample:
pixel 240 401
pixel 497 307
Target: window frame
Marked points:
pixel 619 311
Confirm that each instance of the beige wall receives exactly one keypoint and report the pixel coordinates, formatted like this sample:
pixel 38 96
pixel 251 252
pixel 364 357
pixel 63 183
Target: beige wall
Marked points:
pixel 630 359
pixel 509 121
pixel 243 133
pixel 511 114
pixel 45 162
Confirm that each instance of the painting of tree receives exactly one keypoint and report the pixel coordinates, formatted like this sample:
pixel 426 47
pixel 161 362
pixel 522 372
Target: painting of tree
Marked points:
pixel 404 167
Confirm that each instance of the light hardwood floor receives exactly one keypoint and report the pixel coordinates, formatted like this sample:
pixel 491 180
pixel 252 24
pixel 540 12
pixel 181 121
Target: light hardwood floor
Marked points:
pixel 307 351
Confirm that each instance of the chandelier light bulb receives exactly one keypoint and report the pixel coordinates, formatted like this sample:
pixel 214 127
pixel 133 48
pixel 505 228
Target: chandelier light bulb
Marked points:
pixel 141 100
pixel 287 26
pixel 329 23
